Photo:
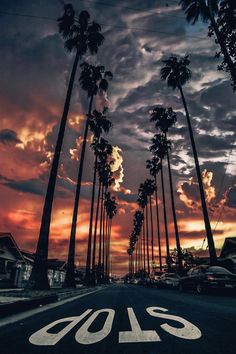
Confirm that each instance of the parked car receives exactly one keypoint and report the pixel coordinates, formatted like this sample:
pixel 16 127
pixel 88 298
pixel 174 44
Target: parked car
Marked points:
pixel 168 280
pixel 205 277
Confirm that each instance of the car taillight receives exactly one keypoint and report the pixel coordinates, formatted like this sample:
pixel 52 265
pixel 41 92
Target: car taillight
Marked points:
pixel 210 277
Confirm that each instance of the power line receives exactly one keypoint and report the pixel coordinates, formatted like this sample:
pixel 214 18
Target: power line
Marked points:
pixel 103 24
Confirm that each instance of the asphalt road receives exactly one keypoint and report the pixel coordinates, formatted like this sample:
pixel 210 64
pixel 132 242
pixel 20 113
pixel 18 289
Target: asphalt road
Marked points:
pixel 128 319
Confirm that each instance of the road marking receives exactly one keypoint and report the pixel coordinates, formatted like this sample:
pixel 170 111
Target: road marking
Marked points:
pixel 189 331
pixel 137 334
pixel 42 337
pixel 83 336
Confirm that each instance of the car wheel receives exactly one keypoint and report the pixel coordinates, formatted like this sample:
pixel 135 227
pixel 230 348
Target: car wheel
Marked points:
pixel 199 289
pixel 181 288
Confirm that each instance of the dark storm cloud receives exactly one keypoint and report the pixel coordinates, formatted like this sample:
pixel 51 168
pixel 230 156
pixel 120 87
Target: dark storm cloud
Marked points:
pixel 8 136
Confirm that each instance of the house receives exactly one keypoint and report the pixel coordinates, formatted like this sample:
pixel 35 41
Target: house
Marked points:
pixel 11 261
pixel 16 265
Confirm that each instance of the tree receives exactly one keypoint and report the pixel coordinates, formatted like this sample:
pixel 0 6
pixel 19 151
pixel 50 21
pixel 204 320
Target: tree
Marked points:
pixel 154 167
pixel 81 36
pixel 106 179
pixel 92 79
pixel 111 210
pixel 142 201
pixel 98 124
pixel 177 73
pixel 159 148
pixel 150 188
pixel 207 10
pixel 164 119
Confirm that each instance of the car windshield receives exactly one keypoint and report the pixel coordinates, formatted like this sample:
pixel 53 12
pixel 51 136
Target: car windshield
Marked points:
pixel 218 270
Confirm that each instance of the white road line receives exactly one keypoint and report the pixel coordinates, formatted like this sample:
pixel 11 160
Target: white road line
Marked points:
pixel 21 316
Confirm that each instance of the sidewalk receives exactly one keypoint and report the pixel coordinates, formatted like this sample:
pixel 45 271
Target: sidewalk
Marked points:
pixel 12 301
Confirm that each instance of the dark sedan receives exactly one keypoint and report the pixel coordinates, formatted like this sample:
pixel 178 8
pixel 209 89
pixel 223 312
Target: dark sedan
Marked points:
pixel 203 278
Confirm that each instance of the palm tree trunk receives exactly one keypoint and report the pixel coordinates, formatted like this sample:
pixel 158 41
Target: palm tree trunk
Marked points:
pixel 70 277
pixel 39 278
pixel 103 241
pixel 211 245
pixel 147 237
pixel 95 230
pixel 158 226
pixel 165 220
pixel 151 217
pixel 106 246
pixel 221 42
pixel 100 237
pixel 144 245
pixel 88 260
pixel 180 266
pixel 109 246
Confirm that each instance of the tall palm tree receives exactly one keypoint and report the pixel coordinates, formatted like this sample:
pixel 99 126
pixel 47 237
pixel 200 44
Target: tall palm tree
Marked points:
pixel 111 210
pixel 142 202
pixel 92 79
pixel 98 124
pixel 150 188
pixel 177 73
pixel 143 198
pixel 106 180
pixel 154 167
pixel 159 149
pixel 164 119
pixel 82 36
pixel 207 10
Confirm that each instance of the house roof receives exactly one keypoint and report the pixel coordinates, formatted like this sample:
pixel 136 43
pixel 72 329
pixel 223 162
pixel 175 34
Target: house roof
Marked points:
pixel 9 240
pixel 229 247
pixel 28 257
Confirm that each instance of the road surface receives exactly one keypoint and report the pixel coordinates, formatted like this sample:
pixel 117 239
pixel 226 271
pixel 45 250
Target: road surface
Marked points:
pixel 128 319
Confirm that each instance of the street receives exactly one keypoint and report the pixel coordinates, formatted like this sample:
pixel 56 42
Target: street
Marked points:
pixel 128 319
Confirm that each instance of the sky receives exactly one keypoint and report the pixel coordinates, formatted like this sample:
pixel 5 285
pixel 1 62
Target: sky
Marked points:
pixel 34 73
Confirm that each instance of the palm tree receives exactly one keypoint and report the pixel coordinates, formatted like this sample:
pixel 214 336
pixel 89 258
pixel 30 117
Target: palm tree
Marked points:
pixel 177 73
pixel 165 118
pixel 92 79
pixel 81 36
pixel 143 198
pixel 159 149
pixel 142 202
pixel 98 124
pixel 111 210
pixel 106 180
pixel 207 10
pixel 154 167
pixel 150 188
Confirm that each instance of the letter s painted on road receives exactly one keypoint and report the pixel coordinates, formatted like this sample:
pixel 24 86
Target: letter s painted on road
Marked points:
pixel 189 331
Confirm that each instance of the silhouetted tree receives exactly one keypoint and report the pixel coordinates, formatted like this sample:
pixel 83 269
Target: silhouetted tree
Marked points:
pixel 92 79
pixel 159 148
pixel 222 26
pixel 177 73
pixel 154 167
pixel 164 119
pixel 81 36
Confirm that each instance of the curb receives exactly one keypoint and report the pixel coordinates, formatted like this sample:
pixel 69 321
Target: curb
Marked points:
pixel 15 307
